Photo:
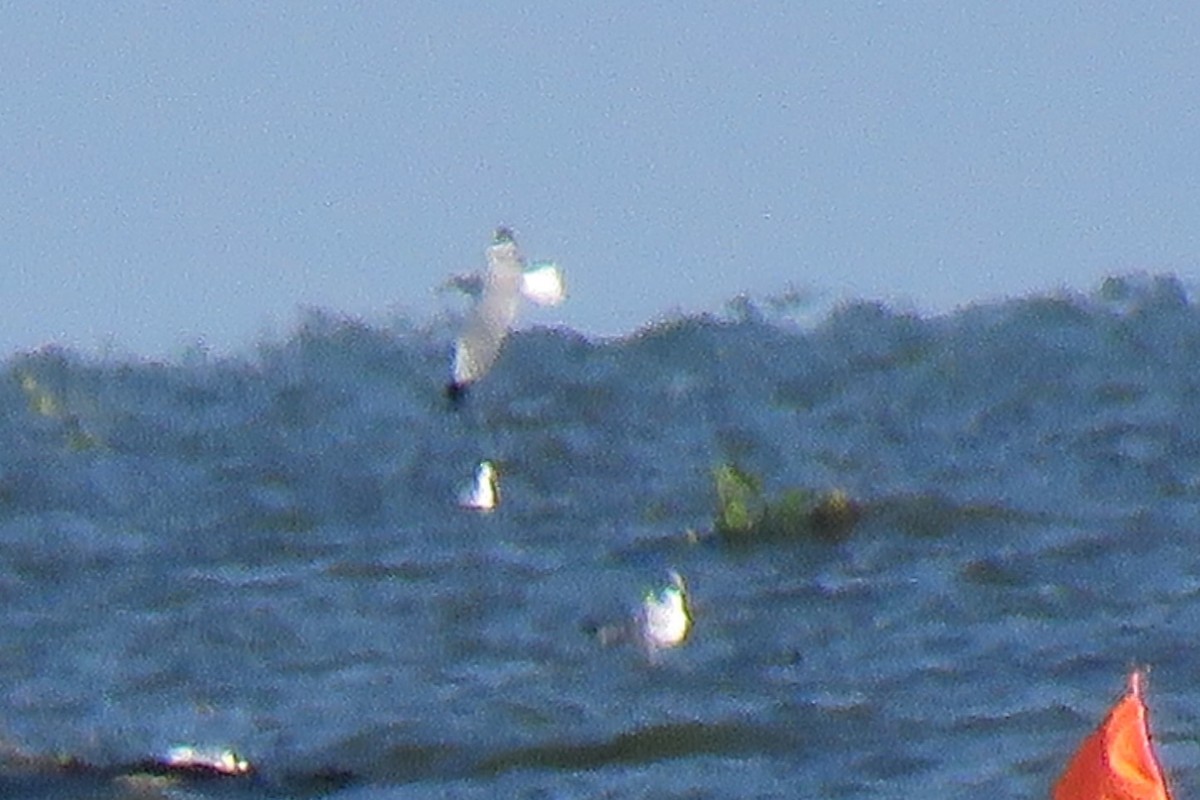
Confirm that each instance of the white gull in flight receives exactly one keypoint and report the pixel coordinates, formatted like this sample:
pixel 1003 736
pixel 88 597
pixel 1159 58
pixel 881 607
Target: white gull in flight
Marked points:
pixel 506 280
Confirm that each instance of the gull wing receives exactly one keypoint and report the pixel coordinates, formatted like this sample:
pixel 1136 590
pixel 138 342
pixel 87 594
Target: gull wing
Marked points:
pixel 543 283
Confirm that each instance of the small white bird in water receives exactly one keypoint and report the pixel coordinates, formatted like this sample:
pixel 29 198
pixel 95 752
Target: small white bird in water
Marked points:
pixel 666 617
pixel 663 621
pixel 506 280
pixel 484 494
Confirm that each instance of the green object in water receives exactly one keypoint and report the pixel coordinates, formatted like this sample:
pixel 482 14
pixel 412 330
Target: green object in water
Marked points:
pixel 740 505
pixel 744 514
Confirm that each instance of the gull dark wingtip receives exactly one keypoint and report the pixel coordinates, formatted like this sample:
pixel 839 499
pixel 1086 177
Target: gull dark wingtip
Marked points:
pixel 456 393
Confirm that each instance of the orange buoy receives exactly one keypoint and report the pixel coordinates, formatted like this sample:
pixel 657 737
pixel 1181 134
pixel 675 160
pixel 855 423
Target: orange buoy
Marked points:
pixel 1116 761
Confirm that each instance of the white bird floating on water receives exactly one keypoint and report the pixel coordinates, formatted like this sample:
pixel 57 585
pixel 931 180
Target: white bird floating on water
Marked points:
pixel 663 621
pixel 484 494
pixel 506 280
pixel 666 617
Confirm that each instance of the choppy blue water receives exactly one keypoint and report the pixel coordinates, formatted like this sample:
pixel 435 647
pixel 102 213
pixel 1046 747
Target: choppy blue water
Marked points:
pixel 264 553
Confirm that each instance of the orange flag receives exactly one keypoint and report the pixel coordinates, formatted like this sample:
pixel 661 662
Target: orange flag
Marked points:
pixel 1116 762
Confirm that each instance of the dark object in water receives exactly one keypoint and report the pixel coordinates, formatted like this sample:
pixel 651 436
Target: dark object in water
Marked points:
pixel 151 775
pixel 187 762
pixel 834 515
pixel 157 767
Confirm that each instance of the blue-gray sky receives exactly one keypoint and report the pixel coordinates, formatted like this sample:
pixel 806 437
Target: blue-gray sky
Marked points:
pixel 180 172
